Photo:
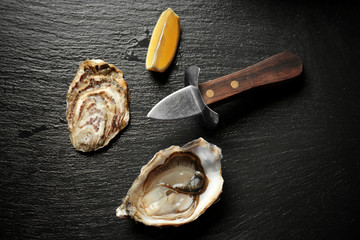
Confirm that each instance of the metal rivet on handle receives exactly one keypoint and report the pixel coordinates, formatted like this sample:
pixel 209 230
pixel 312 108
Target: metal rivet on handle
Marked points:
pixel 234 84
pixel 209 93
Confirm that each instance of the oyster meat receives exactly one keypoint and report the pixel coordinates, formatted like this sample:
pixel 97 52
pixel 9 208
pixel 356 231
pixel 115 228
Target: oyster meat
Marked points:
pixel 97 105
pixel 176 186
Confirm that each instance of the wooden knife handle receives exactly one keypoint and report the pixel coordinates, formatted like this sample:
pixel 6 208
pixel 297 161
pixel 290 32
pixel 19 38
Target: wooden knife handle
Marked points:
pixel 277 68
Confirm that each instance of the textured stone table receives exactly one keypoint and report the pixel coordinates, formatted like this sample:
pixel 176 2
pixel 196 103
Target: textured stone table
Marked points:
pixel 291 151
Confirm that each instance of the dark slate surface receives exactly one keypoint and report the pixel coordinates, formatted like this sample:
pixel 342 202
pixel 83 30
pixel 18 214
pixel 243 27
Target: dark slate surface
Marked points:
pixel 291 151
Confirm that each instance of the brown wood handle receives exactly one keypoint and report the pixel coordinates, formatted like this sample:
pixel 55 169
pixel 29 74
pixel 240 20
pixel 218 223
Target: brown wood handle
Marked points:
pixel 277 68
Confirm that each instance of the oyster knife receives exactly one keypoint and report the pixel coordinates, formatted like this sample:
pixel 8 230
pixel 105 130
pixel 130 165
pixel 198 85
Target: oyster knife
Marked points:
pixel 194 98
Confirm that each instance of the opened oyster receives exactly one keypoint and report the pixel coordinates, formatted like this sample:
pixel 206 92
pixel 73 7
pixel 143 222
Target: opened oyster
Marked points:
pixel 176 186
pixel 97 105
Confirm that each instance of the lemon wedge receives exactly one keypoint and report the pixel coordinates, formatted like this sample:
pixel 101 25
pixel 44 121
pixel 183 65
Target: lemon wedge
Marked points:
pixel 164 42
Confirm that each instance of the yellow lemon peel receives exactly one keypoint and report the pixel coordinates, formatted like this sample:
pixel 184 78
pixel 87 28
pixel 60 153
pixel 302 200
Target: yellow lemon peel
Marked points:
pixel 164 42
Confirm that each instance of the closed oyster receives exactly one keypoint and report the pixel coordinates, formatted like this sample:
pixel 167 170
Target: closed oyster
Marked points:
pixel 97 105
pixel 176 186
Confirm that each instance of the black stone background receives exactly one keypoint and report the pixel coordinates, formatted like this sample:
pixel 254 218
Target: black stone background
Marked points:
pixel 291 151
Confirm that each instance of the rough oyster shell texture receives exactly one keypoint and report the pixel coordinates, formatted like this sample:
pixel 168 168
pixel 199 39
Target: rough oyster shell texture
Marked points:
pixel 97 105
pixel 176 186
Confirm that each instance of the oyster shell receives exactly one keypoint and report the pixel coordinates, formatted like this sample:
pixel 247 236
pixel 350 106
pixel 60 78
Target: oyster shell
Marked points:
pixel 97 105
pixel 176 186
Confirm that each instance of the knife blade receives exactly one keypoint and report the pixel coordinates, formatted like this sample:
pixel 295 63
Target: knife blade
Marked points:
pixel 180 104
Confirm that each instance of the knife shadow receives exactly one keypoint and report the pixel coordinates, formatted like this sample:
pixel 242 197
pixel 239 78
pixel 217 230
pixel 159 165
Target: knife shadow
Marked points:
pixel 241 105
